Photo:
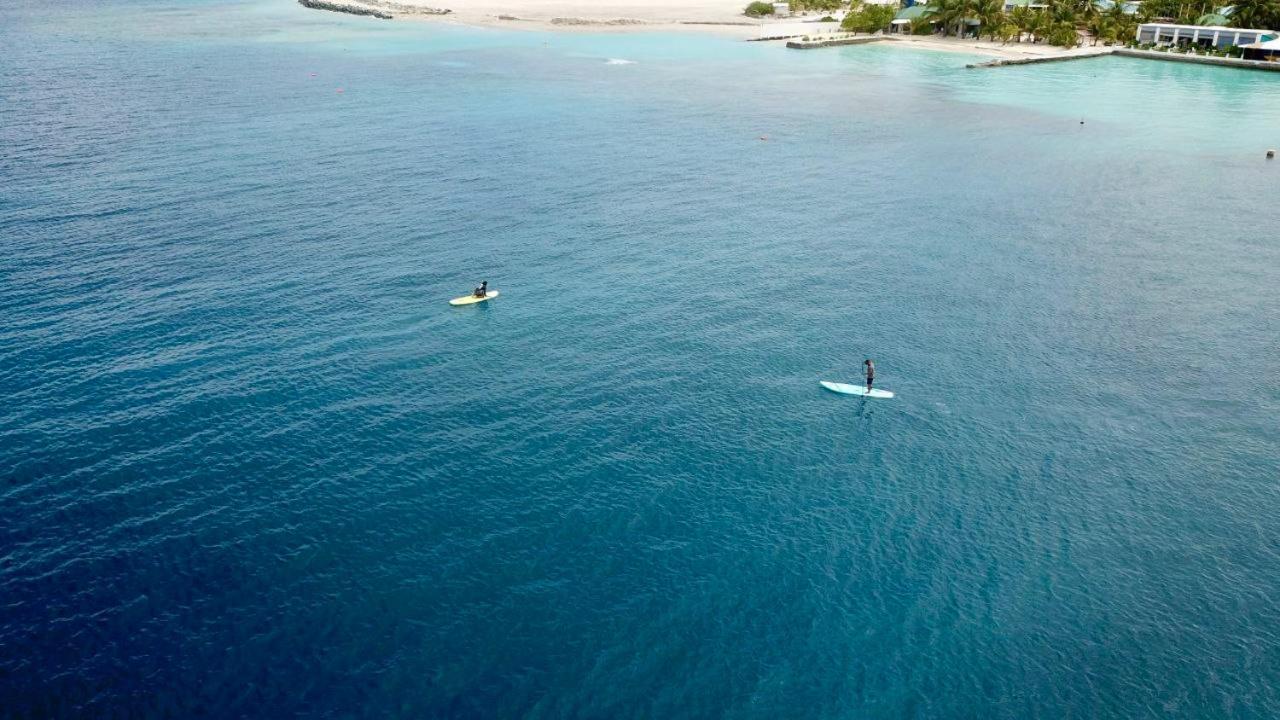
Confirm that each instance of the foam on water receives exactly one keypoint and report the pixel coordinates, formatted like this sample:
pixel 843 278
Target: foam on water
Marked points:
pixel 254 464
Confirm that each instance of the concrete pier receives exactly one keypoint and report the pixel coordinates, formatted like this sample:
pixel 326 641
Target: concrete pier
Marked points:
pixel 1036 60
pixel 1200 59
pixel 820 42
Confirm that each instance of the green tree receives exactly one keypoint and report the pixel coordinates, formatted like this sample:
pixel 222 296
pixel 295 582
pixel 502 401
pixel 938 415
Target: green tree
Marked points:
pixel 922 25
pixel 851 22
pixel 952 14
pixel 1038 25
pixel 1159 9
pixel 945 12
pixel 817 5
pixel 1127 28
pixel 990 13
pixel 1256 14
pixel 758 9
pixel 1113 33
pixel 1064 11
pixel 1098 25
pixel 1121 20
pixel 1020 16
pixel 884 15
pixel 1086 9
pixel 1183 11
pixel 1063 34
pixel 869 18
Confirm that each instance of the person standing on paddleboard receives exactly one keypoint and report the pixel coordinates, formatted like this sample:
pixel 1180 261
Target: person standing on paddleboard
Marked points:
pixel 871 372
pixel 483 289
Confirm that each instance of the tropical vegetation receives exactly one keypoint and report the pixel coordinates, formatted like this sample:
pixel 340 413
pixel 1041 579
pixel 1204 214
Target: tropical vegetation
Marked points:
pixel 868 18
pixel 1263 14
pixel 817 5
pixel 1058 22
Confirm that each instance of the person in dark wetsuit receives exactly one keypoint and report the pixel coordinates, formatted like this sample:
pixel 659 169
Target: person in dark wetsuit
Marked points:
pixel 483 289
pixel 871 372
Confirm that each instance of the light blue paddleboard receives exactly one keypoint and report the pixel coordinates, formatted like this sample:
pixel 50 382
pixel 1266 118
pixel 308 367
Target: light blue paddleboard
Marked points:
pixel 845 389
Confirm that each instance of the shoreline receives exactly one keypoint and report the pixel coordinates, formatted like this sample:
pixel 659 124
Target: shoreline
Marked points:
pixel 709 17
pixel 703 16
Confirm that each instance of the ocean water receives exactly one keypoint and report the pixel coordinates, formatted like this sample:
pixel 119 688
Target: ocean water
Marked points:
pixel 253 465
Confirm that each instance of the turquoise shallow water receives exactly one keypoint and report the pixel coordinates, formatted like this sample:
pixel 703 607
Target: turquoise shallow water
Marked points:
pixel 254 466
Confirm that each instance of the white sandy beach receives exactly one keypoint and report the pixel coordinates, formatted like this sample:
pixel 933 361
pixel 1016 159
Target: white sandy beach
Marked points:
pixel 719 16
pixel 568 15
pixel 1004 51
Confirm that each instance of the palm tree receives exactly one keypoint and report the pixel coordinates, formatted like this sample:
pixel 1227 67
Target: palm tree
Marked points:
pixel 1063 11
pixel 1021 19
pixel 1098 24
pixel 1038 24
pixel 1087 9
pixel 1116 13
pixel 1256 14
pixel 991 16
pixel 922 25
pixel 948 13
pixel 1101 27
pixel 1008 31
pixel 968 11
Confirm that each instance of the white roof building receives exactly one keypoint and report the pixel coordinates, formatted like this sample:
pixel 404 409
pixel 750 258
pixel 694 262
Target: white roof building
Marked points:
pixel 1207 35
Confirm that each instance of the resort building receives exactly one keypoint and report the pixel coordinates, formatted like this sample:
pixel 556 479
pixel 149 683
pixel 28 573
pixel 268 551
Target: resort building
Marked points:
pixel 1009 5
pixel 1128 8
pixel 1204 36
pixel 901 22
pixel 1266 50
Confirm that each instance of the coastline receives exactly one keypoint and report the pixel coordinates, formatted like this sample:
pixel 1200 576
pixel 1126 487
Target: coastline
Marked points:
pixel 702 16
pixel 719 17
pixel 1003 51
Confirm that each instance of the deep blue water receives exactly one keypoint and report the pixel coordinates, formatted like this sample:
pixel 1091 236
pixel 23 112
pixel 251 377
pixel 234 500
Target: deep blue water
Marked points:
pixel 254 465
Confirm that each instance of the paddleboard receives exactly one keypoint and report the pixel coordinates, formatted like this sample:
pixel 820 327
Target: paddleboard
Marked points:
pixel 472 299
pixel 845 389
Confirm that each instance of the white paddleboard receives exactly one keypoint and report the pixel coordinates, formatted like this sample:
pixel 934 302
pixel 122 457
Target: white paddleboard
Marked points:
pixel 845 389
pixel 472 299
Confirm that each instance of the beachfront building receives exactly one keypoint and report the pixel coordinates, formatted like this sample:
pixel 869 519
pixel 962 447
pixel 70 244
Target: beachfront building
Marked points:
pixel 901 22
pixel 1129 7
pixel 1009 5
pixel 1202 35
pixel 1265 50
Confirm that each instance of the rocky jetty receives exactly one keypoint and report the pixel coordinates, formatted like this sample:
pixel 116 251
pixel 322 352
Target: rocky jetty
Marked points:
pixel 349 8
pixel 373 8
pixel 402 9
pixel 583 21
